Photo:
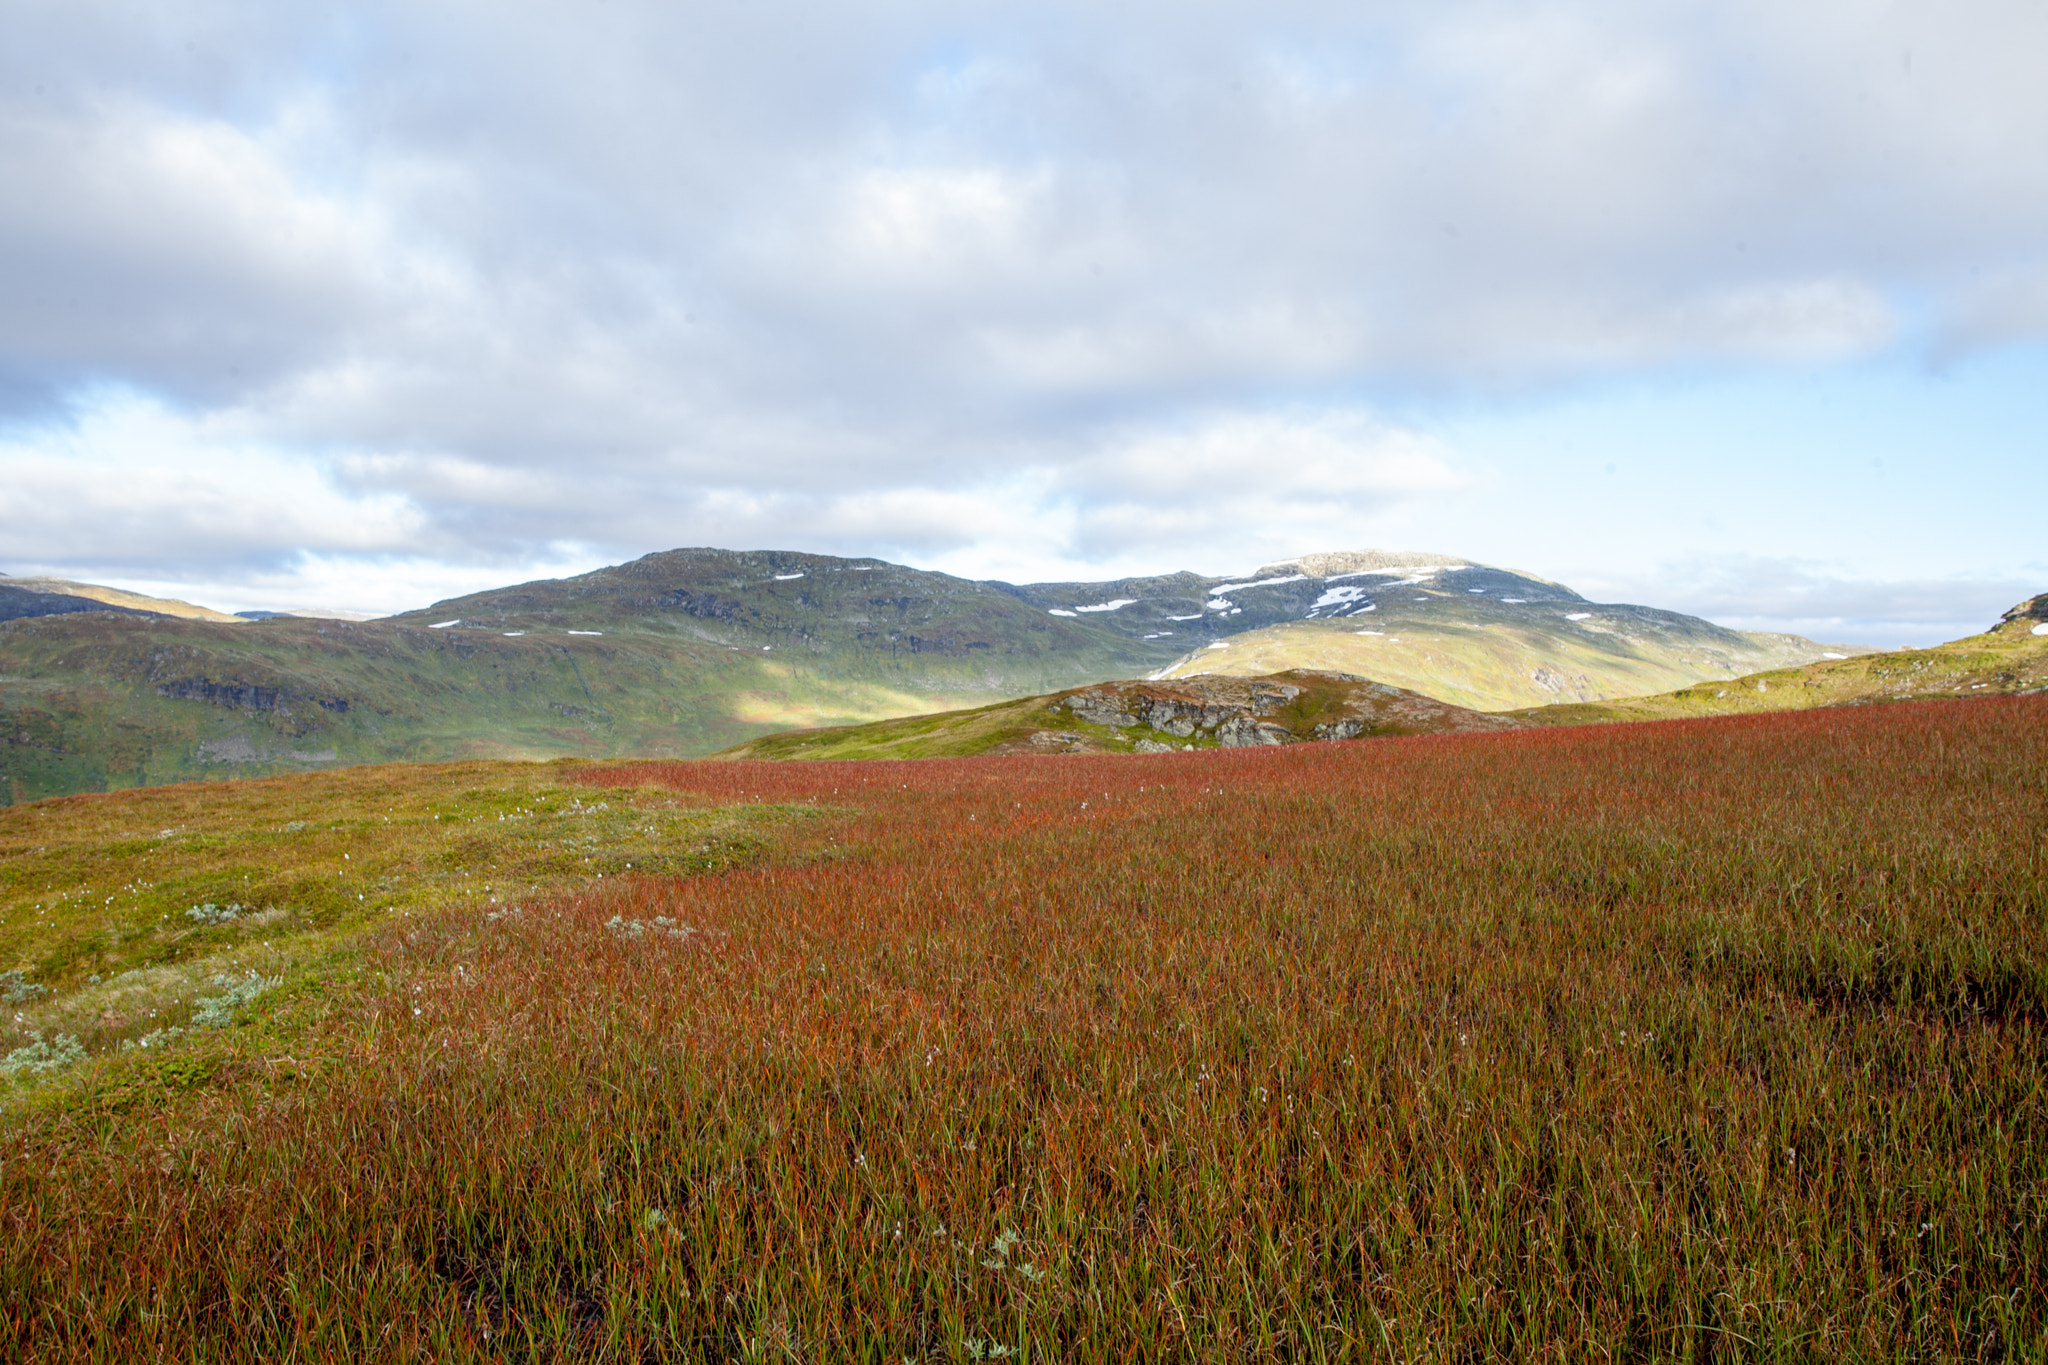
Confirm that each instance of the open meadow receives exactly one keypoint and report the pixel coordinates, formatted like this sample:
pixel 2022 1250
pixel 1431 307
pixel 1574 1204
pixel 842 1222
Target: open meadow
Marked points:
pixel 1721 1039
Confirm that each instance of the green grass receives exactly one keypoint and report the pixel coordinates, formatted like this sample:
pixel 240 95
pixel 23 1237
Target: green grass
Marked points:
pixel 1046 725
pixel 118 914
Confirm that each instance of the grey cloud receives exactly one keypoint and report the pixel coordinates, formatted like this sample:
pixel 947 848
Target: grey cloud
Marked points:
pixel 612 273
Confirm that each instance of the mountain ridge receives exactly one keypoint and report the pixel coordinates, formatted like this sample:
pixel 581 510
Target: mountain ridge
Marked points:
pixel 685 652
pixel 46 595
pixel 1152 715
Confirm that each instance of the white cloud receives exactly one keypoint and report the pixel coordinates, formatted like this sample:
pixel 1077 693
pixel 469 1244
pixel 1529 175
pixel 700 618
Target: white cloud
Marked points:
pixel 1822 600
pixel 134 484
pixel 1031 283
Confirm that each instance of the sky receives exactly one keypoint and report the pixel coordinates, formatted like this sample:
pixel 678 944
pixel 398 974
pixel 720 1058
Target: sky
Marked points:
pixel 1737 308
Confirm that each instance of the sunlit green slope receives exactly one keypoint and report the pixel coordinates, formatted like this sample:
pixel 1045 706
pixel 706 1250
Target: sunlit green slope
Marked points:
pixel 2012 657
pixel 1446 636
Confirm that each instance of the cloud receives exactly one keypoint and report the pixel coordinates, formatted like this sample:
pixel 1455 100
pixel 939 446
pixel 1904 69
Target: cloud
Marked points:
pixel 168 252
pixel 1824 601
pixel 1053 284
pixel 132 487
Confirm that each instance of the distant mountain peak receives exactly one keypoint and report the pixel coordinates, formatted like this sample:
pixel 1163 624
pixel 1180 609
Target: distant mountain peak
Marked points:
pixel 1330 563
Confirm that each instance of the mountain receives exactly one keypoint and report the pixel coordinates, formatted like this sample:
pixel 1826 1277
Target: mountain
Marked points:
pixel 45 596
pixel 1217 710
pixel 690 651
pixel 1148 716
pixel 908 629
pixel 1486 638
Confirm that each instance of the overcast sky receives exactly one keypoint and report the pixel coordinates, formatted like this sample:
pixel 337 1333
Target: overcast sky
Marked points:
pixel 1736 307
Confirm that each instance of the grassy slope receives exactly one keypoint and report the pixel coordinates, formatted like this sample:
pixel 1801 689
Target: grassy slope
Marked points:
pixel 1475 651
pixel 859 619
pixel 120 597
pixel 95 890
pixel 2007 659
pixel 694 652
pixel 82 704
pixel 947 734
pixel 1609 1043
pixel 1042 725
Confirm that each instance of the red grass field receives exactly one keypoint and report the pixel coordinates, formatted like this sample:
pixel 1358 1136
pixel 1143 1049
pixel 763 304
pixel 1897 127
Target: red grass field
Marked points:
pixel 1717 1040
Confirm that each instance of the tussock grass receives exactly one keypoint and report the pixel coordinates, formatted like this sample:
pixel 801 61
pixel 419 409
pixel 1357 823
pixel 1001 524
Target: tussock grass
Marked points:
pixel 1710 1040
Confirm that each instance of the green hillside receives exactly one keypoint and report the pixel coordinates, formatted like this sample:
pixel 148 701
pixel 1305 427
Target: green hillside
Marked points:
pixel 927 633
pixel 1145 717
pixel 1466 639
pixel 97 701
pixel 2010 658
pixel 45 596
pixel 690 651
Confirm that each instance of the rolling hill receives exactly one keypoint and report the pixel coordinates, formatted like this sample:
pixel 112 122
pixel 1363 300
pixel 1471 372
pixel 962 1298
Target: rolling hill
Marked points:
pixel 1484 638
pixel 2009 659
pixel 1297 705
pixel 690 651
pixel 45 596
pixel 1146 717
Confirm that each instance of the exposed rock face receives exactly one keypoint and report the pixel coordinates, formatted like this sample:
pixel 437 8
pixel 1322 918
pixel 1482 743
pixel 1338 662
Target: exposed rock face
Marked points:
pixel 1285 708
pixel 240 749
pixel 2033 609
pixel 1358 561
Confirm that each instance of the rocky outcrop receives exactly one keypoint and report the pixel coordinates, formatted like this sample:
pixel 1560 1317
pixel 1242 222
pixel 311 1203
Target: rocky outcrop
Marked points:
pixel 241 749
pixel 1285 708
pixel 2033 609
pixel 244 696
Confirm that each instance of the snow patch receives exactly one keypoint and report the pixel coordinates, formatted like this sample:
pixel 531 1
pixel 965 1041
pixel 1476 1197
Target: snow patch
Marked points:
pixel 1109 606
pixel 586 632
pixel 1578 616
pixel 1826 655
pixel 1406 573
pixel 1337 597
pixel 514 632
pixel 2041 629
pixel 785 577
pixel 1518 601
pixel 1055 611
pixel 1222 588
pixel 443 625
pixel 1475 590
pixel 1368 632
pixel 1220 644
pixel 1219 605
pixel 1196 617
